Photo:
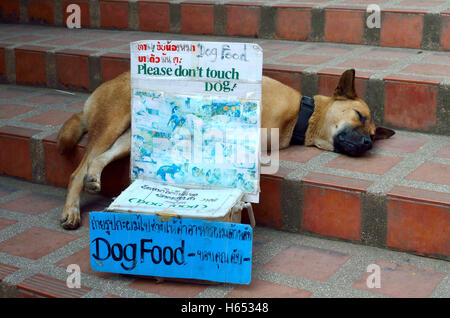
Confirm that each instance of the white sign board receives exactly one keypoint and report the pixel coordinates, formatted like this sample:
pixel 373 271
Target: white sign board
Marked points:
pixel 196 114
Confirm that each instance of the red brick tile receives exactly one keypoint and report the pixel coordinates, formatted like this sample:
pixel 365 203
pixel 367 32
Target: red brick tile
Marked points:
pixel 5 190
pixel 418 227
pixel 291 79
pixel 437 58
pixel 53 117
pixel 326 48
pixel 58 168
pixel 369 163
pixel 243 21
pixel 48 99
pixel 197 19
pixel 268 210
pixel 414 78
pixel 30 68
pixel 114 14
pixel 33 203
pixel 444 152
pixel 83 259
pixel 6 270
pixel 402 144
pixel 305 59
pixel 4 223
pixel 63 41
pixel 344 26
pixel 402 281
pixel 10 11
pixel 410 106
pixel 421 195
pixel 168 288
pixel 72 71
pixel 299 153
pixel 12 92
pixel 431 172
pixel 84 11
pixel 293 24
pixel 45 286
pixel 323 179
pixel 2 65
pixel 427 69
pixel 15 158
pixel 283 68
pixel 401 30
pixel 367 64
pixel 309 262
pixel 262 289
pixel 40 11
pixel 12 110
pixel 36 242
pixel 385 52
pixel 420 3
pixel 104 44
pixel 23 38
pixel 154 17
pixel 445 33
pixel 332 212
pixel 327 84
pixel 113 67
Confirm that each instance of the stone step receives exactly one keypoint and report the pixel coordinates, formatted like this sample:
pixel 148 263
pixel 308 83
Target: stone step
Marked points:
pixel 403 23
pixel 397 196
pixel 405 88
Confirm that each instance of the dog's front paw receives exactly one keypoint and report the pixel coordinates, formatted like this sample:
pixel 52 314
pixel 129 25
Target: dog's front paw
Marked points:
pixel 70 218
pixel 92 184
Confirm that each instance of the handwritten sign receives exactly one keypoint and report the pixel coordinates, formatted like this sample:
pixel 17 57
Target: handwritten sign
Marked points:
pixel 140 244
pixel 150 197
pixel 196 114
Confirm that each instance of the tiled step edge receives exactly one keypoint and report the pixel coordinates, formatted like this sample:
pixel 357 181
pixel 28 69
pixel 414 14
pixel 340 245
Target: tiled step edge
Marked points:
pixel 393 98
pixel 405 219
pixel 426 28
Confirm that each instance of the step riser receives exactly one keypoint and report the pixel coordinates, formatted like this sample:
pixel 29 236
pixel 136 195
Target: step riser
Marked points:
pixel 426 29
pixel 327 208
pixel 390 99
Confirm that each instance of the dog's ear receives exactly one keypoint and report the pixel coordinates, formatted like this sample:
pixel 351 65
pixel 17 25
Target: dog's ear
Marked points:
pixel 383 133
pixel 346 85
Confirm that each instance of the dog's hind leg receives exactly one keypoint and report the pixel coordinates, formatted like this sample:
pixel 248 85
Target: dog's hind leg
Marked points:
pixel 70 217
pixel 119 149
pixel 101 139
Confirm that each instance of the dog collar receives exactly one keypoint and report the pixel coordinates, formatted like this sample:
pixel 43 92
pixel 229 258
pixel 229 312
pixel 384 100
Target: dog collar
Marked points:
pixel 306 110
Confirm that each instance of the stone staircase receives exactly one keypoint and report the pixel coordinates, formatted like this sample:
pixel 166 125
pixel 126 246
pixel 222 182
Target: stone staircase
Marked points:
pixel 397 196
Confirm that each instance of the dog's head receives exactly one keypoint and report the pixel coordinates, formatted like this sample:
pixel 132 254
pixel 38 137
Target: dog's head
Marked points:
pixel 343 123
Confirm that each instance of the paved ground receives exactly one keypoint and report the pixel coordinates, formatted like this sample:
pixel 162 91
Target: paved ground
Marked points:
pixel 35 251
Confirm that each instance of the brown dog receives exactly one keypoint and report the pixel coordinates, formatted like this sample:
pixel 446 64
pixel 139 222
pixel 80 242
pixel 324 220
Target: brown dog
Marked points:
pixel 340 123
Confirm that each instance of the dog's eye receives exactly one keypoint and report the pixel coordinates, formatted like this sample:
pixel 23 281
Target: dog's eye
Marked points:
pixel 362 118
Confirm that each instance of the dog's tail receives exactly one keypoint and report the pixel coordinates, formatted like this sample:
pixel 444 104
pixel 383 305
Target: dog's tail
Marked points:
pixel 71 132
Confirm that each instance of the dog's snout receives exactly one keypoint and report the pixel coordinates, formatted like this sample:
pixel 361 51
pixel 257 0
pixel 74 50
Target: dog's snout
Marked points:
pixel 366 142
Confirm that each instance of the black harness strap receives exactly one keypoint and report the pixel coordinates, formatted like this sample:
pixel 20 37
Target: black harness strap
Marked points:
pixel 306 110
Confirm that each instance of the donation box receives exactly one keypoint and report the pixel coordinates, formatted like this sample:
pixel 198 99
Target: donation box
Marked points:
pixel 195 151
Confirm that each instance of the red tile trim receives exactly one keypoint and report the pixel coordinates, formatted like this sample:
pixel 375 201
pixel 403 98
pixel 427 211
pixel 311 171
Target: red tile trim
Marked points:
pixel 50 287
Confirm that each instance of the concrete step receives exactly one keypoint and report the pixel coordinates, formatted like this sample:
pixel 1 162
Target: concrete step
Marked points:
pixel 405 88
pixel 397 196
pixel 403 23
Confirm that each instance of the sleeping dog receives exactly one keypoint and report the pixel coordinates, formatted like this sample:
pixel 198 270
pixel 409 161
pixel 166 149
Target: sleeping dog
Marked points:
pixel 340 123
